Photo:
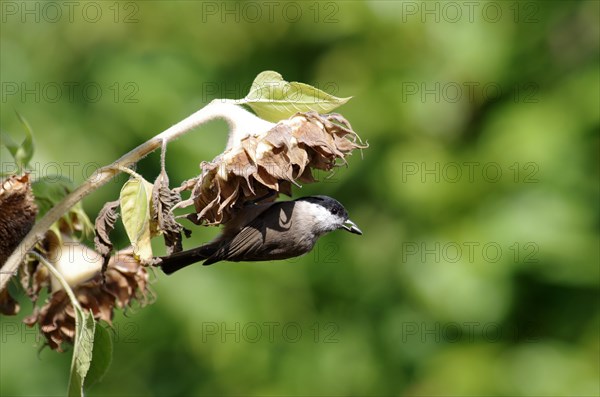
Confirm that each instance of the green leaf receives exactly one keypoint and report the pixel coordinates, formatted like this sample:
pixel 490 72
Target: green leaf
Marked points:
pixel 49 191
pixel 78 213
pixel 25 151
pixel 10 144
pixel 82 350
pixel 274 99
pixel 101 356
pixel 12 148
pixel 135 201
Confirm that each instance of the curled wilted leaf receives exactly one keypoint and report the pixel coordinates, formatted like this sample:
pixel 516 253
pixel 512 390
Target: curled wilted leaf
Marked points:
pixel 23 152
pixel 105 223
pixel 260 166
pixel 163 200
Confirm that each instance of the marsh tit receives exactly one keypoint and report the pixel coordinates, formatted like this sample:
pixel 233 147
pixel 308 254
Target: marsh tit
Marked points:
pixel 263 232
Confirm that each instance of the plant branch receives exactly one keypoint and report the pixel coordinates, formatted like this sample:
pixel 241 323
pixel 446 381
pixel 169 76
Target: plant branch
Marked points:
pixel 237 118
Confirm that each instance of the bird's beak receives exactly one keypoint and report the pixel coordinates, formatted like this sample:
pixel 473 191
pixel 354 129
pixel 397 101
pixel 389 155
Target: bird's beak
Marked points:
pixel 351 227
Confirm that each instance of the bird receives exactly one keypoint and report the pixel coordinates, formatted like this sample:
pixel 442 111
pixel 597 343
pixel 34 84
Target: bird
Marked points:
pixel 270 231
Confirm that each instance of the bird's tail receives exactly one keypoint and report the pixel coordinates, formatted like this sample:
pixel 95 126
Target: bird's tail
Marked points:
pixel 170 264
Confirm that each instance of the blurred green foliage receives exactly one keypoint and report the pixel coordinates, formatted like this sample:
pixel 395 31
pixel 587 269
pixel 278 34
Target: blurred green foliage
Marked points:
pixel 478 271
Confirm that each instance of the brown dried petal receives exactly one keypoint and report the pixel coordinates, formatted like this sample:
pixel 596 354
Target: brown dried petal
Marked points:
pixel 280 136
pixel 241 165
pixel 67 330
pixel 307 176
pixel 8 305
pixel 277 164
pixel 298 157
pixel 263 176
pixel 285 187
pixel 249 144
pixel 125 262
pixel 119 288
pixel 312 136
pixel 230 192
pixel 105 305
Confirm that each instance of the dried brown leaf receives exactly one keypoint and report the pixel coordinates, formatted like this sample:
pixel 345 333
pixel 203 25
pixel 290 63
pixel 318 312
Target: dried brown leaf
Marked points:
pixel 163 200
pixel 104 224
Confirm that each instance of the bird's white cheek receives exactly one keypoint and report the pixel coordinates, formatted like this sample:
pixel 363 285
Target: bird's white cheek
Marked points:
pixel 320 218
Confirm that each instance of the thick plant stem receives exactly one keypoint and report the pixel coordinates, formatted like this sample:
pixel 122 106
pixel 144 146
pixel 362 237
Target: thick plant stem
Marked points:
pixel 237 117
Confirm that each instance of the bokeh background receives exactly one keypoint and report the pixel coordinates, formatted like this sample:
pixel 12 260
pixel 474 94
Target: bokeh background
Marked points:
pixel 478 270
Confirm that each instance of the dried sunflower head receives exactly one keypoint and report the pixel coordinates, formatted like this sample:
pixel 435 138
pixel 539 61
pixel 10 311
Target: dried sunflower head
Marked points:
pixel 262 165
pixel 126 281
pixel 17 211
pixel 17 215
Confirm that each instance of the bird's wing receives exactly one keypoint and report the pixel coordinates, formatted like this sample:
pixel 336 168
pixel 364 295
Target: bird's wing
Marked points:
pixel 244 217
pixel 243 245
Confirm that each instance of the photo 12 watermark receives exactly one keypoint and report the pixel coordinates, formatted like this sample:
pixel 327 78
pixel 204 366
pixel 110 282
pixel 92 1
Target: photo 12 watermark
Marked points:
pixel 469 11
pixel 69 92
pixel 270 11
pixel 465 332
pixel 469 172
pixel 55 172
pixel 468 91
pixel 269 332
pixel 469 252
pixel 14 331
pixel 69 11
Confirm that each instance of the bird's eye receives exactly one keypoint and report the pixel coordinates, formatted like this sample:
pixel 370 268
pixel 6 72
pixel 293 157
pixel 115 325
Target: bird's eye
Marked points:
pixel 334 211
